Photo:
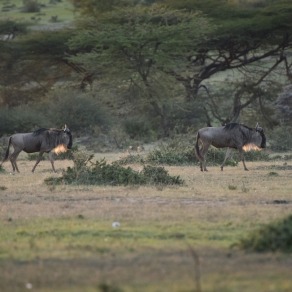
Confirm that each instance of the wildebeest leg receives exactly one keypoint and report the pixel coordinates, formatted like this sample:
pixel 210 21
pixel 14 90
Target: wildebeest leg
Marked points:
pixel 204 150
pixel 242 158
pixel 227 155
pixel 51 157
pixel 38 160
pixel 13 158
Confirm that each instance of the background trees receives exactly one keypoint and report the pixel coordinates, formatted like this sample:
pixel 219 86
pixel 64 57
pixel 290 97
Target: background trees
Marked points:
pixel 157 67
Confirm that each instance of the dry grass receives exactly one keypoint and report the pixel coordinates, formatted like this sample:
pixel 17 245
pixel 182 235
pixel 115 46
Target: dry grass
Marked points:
pixel 65 232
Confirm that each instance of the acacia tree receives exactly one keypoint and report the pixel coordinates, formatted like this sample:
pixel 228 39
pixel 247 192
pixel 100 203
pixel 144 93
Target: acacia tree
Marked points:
pixel 245 37
pixel 143 43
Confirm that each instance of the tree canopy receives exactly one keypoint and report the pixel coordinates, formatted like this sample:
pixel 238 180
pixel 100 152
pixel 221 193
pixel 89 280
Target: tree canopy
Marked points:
pixel 180 60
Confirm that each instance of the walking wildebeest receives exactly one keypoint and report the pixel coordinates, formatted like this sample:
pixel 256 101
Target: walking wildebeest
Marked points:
pixel 42 140
pixel 233 135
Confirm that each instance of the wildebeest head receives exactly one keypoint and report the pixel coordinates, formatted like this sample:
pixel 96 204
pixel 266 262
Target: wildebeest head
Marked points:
pixel 260 136
pixel 68 137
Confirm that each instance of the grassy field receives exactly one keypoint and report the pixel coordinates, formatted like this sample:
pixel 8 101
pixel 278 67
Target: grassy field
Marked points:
pixel 51 13
pixel 60 238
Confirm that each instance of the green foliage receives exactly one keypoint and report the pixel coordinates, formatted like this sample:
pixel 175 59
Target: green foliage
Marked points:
pixel 10 26
pixel 37 43
pixel 281 140
pixel 159 176
pixel 232 187
pixel 20 119
pixel 100 173
pixel 276 236
pixel 178 152
pixel 81 112
pixel 131 159
pixel 139 39
pixel 257 156
pixel 30 6
pixel 138 128
pixel 97 7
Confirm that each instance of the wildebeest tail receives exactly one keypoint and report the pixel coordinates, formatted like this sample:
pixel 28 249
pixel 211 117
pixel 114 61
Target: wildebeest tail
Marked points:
pixel 197 149
pixel 7 151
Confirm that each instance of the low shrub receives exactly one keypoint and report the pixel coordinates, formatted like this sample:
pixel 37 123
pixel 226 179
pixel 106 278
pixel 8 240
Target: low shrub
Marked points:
pixel 131 159
pixel 183 153
pixel 176 152
pixel 257 156
pixel 101 173
pixel 276 236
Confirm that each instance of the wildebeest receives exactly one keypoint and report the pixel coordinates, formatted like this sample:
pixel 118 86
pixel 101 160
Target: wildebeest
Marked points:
pixel 42 140
pixel 233 135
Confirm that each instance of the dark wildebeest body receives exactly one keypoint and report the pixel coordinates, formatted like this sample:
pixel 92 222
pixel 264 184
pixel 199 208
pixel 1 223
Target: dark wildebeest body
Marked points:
pixel 42 140
pixel 233 135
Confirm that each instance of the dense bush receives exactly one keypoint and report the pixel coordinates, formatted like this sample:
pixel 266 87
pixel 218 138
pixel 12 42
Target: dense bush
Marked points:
pixel 174 153
pixel 181 151
pixel 81 112
pixel 101 173
pixel 20 119
pixel 281 140
pixel 30 6
pixel 138 128
pixel 276 236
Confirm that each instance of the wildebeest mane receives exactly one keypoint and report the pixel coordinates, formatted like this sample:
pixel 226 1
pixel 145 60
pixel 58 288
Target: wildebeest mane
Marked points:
pixel 232 126
pixel 39 131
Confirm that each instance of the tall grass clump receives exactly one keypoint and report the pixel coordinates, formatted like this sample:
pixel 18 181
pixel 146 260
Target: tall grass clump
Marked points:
pixel 276 236
pixel 87 172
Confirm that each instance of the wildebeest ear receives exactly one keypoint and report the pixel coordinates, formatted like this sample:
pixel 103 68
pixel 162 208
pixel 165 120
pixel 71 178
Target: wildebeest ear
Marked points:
pixel 65 128
pixel 257 125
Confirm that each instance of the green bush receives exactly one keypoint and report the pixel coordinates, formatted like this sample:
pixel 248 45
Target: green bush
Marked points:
pixel 180 151
pixel 172 155
pixel 281 140
pixel 256 156
pixel 131 159
pixel 137 128
pixel 30 6
pixel 276 236
pixel 20 119
pixel 81 112
pixel 100 173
